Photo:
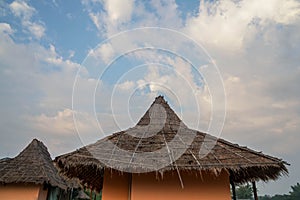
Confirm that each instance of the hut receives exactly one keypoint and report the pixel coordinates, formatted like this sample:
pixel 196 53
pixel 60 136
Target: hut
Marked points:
pixel 31 175
pixel 168 161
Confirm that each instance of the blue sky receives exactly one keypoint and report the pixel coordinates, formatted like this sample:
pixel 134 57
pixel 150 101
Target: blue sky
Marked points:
pixel 247 49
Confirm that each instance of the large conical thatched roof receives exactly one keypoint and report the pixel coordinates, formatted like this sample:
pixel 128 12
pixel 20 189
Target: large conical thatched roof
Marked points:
pixel 32 166
pixel 175 147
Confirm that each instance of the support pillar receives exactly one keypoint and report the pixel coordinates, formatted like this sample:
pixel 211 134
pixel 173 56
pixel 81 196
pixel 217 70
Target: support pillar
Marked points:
pixel 233 189
pixel 254 190
pixel 129 185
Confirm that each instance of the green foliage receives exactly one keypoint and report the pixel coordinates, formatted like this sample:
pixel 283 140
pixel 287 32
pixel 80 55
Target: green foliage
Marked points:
pixel 244 192
pixel 95 196
pixel 276 197
pixel 293 195
pixel 266 197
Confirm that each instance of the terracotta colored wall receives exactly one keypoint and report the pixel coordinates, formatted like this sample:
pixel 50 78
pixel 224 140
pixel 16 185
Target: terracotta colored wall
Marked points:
pixel 19 191
pixel 148 187
pixel 115 186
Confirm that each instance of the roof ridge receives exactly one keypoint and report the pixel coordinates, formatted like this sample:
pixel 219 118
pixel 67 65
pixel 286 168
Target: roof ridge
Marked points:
pixel 160 109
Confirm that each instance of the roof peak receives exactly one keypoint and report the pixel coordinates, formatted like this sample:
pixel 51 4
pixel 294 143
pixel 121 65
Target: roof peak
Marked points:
pixel 160 99
pixel 35 145
pixel 160 112
pixel 32 165
pixel 35 140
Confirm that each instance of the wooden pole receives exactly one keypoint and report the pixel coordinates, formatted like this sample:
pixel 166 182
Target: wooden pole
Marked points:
pixel 233 189
pixel 129 185
pixel 254 190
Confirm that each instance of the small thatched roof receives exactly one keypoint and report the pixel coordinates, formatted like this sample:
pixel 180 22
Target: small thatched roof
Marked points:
pixel 175 147
pixel 32 166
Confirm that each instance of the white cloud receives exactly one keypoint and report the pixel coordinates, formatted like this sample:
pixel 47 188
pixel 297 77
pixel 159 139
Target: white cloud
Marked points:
pixel 127 85
pixel 37 70
pixel 25 12
pixel 61 132
pixel 38 30
pixel 36 85
pixel 174 78
pixel 61 123
pixel 5 28
pixel 106 52
pixel 284 12
pixel 22 9
pixel 52 57
pixel 119 11
pixel 96 19
pixel 230 24
pixel 118 15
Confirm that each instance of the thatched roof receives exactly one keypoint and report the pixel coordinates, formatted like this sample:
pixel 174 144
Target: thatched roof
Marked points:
pixel 32 166
pixel 173 146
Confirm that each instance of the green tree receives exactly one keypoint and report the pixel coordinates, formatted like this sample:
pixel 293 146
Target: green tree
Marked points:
pixel 276 197
pixel 266 197
pixel 244 192
pixel 280 197
pixel 295 193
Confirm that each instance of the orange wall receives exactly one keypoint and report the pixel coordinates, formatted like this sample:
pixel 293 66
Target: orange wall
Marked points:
pixel 149 187
pixel 19 191
pixel 115 186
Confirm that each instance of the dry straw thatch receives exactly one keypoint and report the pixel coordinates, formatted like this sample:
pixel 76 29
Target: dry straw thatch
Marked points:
pixel 32 166
pixel 242 163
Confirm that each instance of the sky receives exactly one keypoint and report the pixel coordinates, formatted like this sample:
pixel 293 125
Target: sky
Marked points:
pixel 72 72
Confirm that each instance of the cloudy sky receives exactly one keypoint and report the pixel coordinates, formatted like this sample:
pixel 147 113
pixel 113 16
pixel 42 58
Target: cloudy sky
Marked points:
pixel 99 62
